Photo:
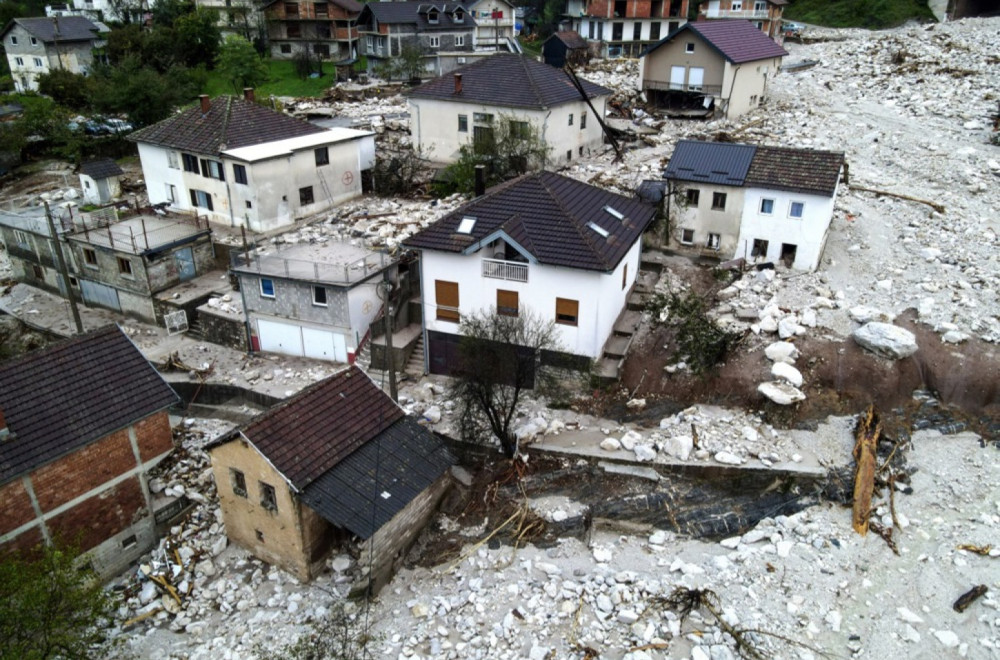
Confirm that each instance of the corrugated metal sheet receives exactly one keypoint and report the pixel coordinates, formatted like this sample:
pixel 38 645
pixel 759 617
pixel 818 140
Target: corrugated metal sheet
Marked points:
pixel 720 163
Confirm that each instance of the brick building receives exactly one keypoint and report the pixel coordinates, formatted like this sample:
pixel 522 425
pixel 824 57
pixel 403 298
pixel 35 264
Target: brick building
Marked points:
pixel 81 424
pixel 622 28
pixel 326 29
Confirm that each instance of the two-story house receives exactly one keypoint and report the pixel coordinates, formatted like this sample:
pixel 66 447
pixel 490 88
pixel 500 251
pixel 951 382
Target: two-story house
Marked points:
pixel 242 164
pixel 763 204
pixel 719 66
pixel 565 249
pixel 461 107
pixel 764 14
pixel 623 28
pixel 35 46
pixel 326 28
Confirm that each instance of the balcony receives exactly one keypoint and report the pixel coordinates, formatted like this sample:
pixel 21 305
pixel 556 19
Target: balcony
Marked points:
pixel 752 14
pixel 500 269
pixel 709 90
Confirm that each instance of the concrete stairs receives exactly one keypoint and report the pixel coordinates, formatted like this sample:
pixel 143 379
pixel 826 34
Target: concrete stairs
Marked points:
pixel 194 331
pixel 415 365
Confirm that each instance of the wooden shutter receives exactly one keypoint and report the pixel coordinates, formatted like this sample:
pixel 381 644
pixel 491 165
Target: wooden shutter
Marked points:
pixel 567 311
pixel 446 295
pixel 507 302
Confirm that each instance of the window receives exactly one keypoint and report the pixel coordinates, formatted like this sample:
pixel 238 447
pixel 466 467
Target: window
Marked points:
pixel 19 61
pixel 654 31
pixel 75 283
pixel 583 120
pixel 291 10
pixel 268 499
pixel 306 196
pixel 713 241
pixel 482 118
pixel 507 302
pixel 172 161
pixel 34 42
pixel 624 276
pixel 434 42
pixel 458 16
pixel 38 62
pixel 767 206
pixel 795 209
pixel 124 267
pixel 286 49
pixel 212 169
pixel 446 296
pixel 689 47
pixel 580 152
pixel 759 248
pixel 129 542
pixel 293 31
pixel 737 5
pixel 687 236
pixel 637 32
pixel 319 296
pixel 267 287
pixel 201 198
pixel 692 195
pixel 21 238
pixel 13 40
pixel 249 204
pixel 240 174
pixel 37 271
pixel 370 44
pixel 570 119
pixel 463 123
pixel 567 311
pixel 239 482
pixel 322 50
pixel 719 201
pixel 190 163
pixel 90 257
pixel 322 156
pixel 459 40
pixel 432 16
pixel 569 154
pixel 322 10
pixel 753 99
pixel 171 192
pixel 482 139
pixel 520 130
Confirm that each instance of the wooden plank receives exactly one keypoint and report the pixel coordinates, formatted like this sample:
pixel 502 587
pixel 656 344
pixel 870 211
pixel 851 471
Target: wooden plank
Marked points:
pixel 869 429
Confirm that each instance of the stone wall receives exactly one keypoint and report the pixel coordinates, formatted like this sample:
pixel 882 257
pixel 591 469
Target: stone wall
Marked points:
pixel 223 329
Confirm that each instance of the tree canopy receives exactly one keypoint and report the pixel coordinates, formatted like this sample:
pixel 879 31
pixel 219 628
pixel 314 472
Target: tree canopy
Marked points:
pixel 239 62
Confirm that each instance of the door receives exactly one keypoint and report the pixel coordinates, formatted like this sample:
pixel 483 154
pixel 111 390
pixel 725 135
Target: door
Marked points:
pixel 676 77
pixel 324 345
pixel 279 337
pixel 100 294
pixel 696 78
pixel 103 190
pixel 185 264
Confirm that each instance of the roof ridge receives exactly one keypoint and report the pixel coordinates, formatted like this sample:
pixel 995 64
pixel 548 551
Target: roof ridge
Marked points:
pixel 224 133
pixel 531 80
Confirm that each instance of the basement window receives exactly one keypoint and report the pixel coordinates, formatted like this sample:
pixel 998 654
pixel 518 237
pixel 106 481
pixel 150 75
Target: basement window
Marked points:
pixel 687 236
pixel 239 481
pixel 713 241
pixel 268 498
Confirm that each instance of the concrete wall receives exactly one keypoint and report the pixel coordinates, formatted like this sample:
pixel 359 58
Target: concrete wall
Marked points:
pixel 97 497
pixel 807 233
pixel 222 329
pixel 294 300
pixel 705 220
pixel 162 272
pixel 745 85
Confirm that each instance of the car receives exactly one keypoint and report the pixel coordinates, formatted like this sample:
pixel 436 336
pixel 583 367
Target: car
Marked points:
pixel 790 29
pixel 117 126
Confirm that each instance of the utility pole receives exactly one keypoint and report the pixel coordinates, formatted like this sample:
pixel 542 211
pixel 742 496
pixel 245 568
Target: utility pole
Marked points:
pixel 389 357
pixel 63 270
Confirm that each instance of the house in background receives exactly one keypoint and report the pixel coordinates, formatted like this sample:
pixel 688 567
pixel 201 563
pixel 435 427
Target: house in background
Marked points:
pixel 241 164
pixel 327 29
pixel 337 465
pixel 566 250
pixel 100 181
pixel 35 46
pixel 565 47
pixel 719 67
pixel 312 300
pixel 496 26
pixel 461 108
pixel 82 423
pixel 623 28
pixel 764 14
pixel 764 204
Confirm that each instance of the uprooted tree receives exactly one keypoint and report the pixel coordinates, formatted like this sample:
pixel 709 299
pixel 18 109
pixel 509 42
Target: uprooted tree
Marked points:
pixel 499 357
pixel 701 343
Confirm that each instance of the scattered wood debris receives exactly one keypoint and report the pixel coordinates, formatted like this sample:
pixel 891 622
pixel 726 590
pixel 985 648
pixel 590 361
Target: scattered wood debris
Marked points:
pixel 869 429
pixel 969 597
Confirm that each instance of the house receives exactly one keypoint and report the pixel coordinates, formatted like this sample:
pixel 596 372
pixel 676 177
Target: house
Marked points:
pixel 565 47
pixel 82 423
pixel 720 66
pixel 764 204
pixel 241 164
pixel 35 46
pixel 100 181
pixel 496 26
pixel 764 14
pixel 312 300
pixel 337 463
pixel 566 250
pixel 460 108
pixel 328 28
pixel 621 28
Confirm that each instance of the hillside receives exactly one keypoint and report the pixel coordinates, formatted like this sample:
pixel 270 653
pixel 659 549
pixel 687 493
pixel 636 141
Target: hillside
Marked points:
pixel 870 14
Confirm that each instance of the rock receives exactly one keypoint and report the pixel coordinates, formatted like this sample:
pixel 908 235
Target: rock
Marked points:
pixel 205 567
pixel 781 393
pixel 629 440
pixel 461 475
pixel 788 327
pixel 781 351
pixel 679 446
pixel 433 414
pixel 887 340
pixel 602 555
pixel 863 314
pixel 727 458
pixel 908 616
pixel 219 545
pixel 611 444
pixel 954 337
pixel 636 404
pixel 787 372
pixel 947 638
pixel 644 453
pixel 340 563
pixel 768 325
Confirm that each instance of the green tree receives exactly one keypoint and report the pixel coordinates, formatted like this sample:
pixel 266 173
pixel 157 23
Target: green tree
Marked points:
pixel 198 37
pixel 143 94
pixel 239 62
pixel 166 12
pixel 51 608
pixel 70 90
pixel 700 342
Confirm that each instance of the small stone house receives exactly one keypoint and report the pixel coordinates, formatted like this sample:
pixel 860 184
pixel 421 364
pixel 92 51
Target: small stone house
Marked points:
pixel 100 181
pixel 36 46
pixel 337 465
pixel 82 423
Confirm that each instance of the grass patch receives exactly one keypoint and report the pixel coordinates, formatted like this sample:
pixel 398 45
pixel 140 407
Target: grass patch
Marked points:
pixel 531 47
pixel 282 81
pixel 870 14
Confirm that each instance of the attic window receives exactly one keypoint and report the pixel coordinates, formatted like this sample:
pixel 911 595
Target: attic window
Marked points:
pixel 465 227
pixel 432 16
pixel 458 16
pixel 614 212
pixel 600 230
pixel 689 47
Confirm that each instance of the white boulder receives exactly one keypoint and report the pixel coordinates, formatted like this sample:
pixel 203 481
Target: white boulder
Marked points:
pixel 886 340
pixel 781 393
pixel 788 373
pixel 781 351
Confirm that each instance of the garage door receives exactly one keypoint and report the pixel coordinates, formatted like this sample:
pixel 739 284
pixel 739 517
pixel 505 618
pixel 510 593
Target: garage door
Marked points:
pixel 324 345
pixel 291 339
pixel 279 337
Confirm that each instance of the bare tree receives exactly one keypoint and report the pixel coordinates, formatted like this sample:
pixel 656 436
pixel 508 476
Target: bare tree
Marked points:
pixel 499 358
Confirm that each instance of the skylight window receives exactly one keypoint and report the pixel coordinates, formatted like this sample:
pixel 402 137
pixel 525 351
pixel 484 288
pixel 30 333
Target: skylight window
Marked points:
pixel 465 227
pixel 614 212
pixel 600 230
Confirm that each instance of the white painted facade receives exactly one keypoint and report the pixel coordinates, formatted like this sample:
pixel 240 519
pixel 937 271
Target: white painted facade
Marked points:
pixel 281 177
pixel 780 227
pixel 493 31
pixel 567 128
pixel 600 296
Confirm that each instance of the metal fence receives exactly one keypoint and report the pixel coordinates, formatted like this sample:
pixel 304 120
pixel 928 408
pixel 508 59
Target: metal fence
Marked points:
pixel 313 271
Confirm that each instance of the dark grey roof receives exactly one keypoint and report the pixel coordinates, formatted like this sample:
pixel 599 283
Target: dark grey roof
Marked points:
pixel 571 38
pixel 61 398
pixel 416 13
pixel 61 28
pixel 550 216
pixel 101 169
pixel 369 487
pixel 350 6
pixel 736 40
pixel 721 163
pixel 508 80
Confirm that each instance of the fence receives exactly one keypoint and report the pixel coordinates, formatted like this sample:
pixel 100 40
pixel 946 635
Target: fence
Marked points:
pixel 314 271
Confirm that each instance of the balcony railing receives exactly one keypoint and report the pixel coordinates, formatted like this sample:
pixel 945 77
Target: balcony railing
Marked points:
pixel 505 270
pixel 738 13
pixel 713 90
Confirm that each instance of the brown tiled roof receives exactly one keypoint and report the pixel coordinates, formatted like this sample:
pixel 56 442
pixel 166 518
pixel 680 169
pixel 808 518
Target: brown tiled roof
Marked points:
pixel 549 216
pixel 509 80
pixel 571 38
pixel 310 433
pixel 70 28
pixel 230 123
pixel 796 170
pixel 58 399
pixel 736 40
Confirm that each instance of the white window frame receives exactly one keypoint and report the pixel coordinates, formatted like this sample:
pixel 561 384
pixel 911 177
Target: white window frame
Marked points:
pixel 34 42
pixel 459 40
pixel 13 40
pixel 714 241
pixel 434 41
pixel 760 208
pixel 21 238
pixel 689 47
pixel 759 5
pixel 316 289
pixel 173 162
pixel 171 193
pixel 19 61
pixel 802 209
pixel 737 5
pixel 39 63
pixel 273 294
pixel 685 239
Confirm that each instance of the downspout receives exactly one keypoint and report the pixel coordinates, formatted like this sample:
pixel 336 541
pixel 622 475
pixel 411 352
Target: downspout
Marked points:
pixel 423 314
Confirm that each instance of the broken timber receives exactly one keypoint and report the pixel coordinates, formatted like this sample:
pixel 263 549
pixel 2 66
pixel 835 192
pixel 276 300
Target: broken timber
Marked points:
pixel 597 115
pixel 934 205
pixel 869 429
pixel 969 597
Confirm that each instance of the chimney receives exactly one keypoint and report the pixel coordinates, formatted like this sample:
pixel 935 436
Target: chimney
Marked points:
pixel 248 94
pixel 458 83
pixel 480 185
pixel 205 104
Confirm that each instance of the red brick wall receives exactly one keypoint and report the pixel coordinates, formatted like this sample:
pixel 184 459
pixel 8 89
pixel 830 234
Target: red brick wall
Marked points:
pixel 153 436
pixel 87 468
pixel 23 543
pixel 100 517
pixel 15 506
pixel 601 8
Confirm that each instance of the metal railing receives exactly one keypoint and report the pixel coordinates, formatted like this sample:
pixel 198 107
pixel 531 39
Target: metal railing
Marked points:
pixel 713 90
pixel 313 271
pixel 505 270
pixel 738 13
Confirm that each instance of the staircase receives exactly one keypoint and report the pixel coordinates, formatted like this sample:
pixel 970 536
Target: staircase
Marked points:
pixel 194 330
pixel 415 365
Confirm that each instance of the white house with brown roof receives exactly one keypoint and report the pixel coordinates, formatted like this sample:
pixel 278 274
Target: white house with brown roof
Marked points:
pixel 764 14
pixel 461 107
pixel 566 250
pixel 242 164
pixel 763 204
pixel 35 46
